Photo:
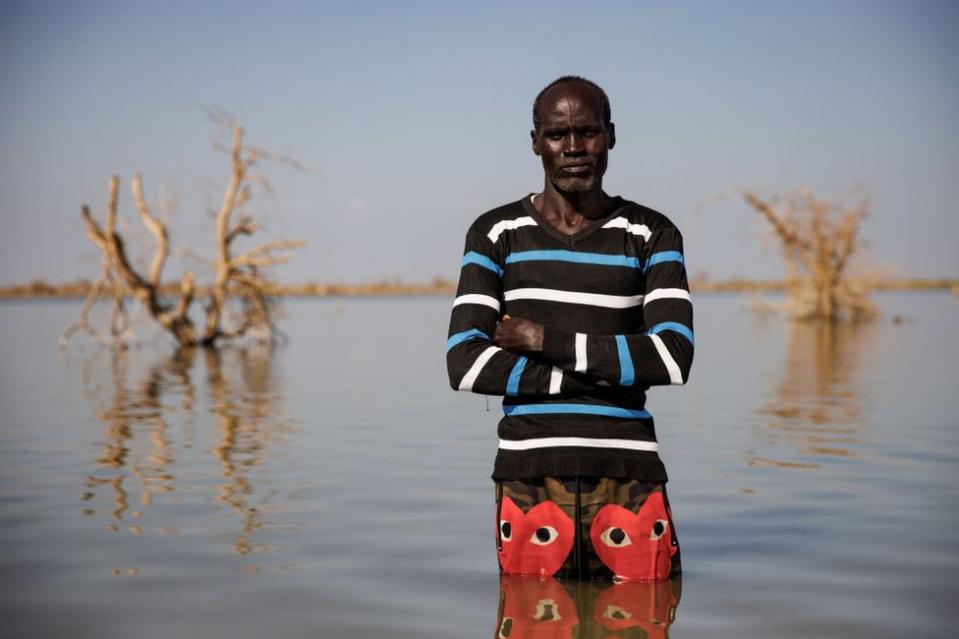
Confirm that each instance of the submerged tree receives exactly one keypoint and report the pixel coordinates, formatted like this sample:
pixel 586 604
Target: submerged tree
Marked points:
pixel 238 277
pixel 818 237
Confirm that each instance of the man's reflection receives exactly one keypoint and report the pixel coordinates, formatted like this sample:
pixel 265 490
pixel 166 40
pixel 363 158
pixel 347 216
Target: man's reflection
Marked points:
pixel 534 608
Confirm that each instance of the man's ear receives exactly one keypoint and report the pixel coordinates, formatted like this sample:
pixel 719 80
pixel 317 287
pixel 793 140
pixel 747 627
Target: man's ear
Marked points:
pixel 611 133
pixel 535 141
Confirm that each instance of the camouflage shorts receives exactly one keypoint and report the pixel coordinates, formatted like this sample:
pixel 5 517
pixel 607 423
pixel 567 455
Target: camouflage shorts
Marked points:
pixel 585 528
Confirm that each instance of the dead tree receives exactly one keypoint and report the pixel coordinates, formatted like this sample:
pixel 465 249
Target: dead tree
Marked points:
pixel 240 277
pixel 818 238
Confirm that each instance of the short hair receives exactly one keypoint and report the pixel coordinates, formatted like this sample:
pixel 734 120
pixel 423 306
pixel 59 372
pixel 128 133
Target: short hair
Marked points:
pixel 567 79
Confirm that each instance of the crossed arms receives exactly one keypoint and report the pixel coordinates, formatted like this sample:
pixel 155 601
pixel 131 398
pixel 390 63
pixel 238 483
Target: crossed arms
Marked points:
pixel 493 354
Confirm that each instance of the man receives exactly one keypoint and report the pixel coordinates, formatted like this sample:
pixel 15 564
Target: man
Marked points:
pixel 571 303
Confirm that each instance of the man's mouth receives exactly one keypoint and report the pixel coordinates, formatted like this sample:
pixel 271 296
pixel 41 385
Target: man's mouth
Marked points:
pixel 576 168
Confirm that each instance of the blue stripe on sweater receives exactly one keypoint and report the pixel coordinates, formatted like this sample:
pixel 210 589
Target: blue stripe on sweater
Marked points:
pixel 602 259
pixel 626 373
pixel 682 329
pixel 575 409
pixel 481 260
pixel 512 385
pixel 665 256
pixel 459 338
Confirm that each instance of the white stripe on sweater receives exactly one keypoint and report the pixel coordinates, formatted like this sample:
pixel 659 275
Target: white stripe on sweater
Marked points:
pixel 581 362
pixel 509 225
pixel 574 297
pixel 475 298
pixel 590 442
pixel 555 381
pixel 675 375
pixel 667 293
pixel 466 384
pixel 623 223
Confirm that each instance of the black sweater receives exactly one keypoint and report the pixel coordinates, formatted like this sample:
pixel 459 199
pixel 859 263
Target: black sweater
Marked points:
pixel 618 316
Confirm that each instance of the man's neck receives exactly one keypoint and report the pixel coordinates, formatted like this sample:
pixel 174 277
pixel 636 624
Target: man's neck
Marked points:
pixel 571 212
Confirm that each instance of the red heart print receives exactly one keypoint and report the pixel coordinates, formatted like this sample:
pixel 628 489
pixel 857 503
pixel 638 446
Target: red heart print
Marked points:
pixel 535 543
pixel 635 547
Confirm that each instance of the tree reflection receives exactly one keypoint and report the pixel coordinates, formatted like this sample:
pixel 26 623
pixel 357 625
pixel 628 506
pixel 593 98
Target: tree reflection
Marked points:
pixel 530 608
pixel 129 411
pixel 148 444
pixel 816 408
pixel 243 437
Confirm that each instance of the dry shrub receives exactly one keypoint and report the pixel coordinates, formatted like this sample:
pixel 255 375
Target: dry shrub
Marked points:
pixel 818 238
pixel 241 296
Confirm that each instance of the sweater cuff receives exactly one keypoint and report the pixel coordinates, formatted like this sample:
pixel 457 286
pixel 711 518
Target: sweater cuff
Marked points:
pixel 558 347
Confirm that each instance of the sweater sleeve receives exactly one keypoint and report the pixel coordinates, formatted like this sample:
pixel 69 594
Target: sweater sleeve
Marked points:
pixel 663 353
pixel 473 362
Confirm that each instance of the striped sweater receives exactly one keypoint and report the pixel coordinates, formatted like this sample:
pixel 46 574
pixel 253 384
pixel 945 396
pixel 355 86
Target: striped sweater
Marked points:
pixel 618 319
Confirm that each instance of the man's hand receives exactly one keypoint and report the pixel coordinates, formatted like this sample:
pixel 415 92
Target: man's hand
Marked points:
pixel 519 335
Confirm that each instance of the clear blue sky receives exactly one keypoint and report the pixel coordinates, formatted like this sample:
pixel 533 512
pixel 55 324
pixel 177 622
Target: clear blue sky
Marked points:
pixel 416 115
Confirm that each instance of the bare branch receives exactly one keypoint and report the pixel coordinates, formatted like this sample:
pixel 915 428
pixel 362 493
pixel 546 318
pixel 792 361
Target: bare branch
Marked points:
pixel 262 181
pixel 229 196
pixel 260 256
pixel 255 282
pixel 245 226
pixel 775 220
pixel 849 227
pixel 187 291
pixel 94 232
pixel 242 198
pixel 219 116
pixel 156 227
pixel 218 292
pixel 113 189
pixel 281 158
pixel 251 157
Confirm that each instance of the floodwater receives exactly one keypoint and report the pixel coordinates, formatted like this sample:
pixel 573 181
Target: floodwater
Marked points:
pixel 337 487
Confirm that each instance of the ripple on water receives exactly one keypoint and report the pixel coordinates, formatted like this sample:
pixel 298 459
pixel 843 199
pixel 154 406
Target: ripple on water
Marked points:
pixel 337 486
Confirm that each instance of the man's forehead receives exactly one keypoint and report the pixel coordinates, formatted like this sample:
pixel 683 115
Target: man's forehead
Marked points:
pixel 561 97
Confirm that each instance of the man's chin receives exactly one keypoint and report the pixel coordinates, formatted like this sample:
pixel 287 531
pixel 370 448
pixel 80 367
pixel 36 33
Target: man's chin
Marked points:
pixel 575 185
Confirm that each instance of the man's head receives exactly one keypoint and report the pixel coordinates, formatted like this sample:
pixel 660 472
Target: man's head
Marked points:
pixel 571 79
pixel 572 133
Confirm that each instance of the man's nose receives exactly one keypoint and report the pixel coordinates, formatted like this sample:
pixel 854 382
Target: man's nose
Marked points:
pixel 573 144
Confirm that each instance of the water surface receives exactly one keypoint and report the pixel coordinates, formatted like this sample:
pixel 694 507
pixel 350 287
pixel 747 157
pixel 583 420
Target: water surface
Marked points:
pixel 337 487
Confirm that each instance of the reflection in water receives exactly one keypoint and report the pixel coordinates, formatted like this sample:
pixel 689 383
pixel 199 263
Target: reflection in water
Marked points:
pixel 816 407
pixel 138 458
pixel 123 414
pixel 534 608
pixel 243 437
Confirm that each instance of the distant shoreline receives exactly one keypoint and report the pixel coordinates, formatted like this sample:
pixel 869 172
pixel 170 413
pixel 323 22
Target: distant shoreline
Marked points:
pixel 40 289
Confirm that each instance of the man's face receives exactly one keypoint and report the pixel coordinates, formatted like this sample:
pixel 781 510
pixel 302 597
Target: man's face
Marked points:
pixel 572 139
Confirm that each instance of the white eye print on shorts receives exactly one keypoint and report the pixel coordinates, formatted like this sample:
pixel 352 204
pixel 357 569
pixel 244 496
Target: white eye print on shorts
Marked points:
pixel 660 526
pixel 615 537
pixel 544 536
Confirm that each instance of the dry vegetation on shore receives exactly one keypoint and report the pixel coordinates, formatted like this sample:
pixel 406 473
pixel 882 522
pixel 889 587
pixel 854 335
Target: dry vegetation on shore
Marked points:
pixel 41 289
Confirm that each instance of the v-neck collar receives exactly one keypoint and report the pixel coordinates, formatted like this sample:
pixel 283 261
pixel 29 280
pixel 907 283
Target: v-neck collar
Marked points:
pixel 578 236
